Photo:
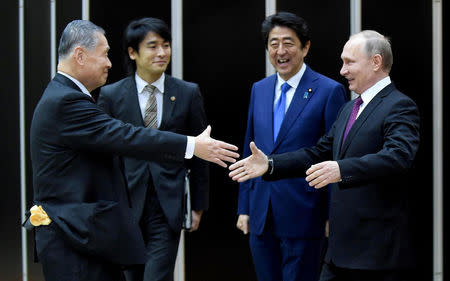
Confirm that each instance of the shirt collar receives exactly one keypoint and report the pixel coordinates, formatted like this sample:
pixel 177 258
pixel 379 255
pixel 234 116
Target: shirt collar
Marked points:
pixel 78 83
pixel 141 83
pixel 370 93
pixel 294 80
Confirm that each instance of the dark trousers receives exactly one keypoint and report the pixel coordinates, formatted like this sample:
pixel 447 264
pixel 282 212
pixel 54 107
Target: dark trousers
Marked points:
pixel 61 262
pixel 284 259
pixel 330 272
pixel 161 243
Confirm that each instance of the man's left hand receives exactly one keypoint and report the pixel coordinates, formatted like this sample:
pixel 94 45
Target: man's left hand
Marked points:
pixel 322 174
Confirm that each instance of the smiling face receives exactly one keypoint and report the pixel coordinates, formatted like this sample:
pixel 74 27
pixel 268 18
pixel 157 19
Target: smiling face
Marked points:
pixel 152 58
pixel 359 69
pixel 286 52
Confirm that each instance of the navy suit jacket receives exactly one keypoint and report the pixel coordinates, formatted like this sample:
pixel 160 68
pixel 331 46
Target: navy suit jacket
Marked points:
pixel 77 175
pixel 298 210
pixel 183 113
pixel 368 208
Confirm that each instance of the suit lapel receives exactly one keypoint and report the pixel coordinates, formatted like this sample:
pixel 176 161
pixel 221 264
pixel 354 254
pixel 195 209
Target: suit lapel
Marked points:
pixel 305 90
pixel 265 107
pixel 170 97
pixel 358 125
pixel 341 124
pixel 69 83
pixel 131 101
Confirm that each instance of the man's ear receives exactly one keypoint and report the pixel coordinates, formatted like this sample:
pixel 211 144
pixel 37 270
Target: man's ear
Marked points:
pixel 377 62
pixel 79 55
pixel 306 47
pixel 131 53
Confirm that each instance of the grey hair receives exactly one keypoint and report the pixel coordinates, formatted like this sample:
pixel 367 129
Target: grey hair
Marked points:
pixel 377 44
pixel 78 33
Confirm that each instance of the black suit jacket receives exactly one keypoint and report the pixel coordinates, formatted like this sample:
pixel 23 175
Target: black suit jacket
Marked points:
pixel 183 113
pixel 368 208
pixel 78 178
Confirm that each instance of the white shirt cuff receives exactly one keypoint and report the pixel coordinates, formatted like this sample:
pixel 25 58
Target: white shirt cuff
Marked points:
pixel 190 146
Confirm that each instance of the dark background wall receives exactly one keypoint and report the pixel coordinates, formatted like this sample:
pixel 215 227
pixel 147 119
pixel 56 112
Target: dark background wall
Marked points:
pixel 224 53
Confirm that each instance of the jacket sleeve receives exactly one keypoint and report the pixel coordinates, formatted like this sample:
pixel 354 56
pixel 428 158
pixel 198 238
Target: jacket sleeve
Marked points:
pixel 85 126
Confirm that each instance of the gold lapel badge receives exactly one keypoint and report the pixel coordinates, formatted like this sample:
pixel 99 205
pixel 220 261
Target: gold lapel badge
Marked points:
pixel 172 98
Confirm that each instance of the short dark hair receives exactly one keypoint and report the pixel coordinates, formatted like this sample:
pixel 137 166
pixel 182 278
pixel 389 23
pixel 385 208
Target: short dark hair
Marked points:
pixel 136 32
pixel 286 19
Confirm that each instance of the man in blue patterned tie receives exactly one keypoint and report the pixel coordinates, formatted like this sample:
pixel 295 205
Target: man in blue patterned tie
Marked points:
pixel 288 110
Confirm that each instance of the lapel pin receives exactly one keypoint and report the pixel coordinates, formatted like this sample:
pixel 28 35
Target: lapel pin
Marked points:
pixel 172 98
pixel 305 95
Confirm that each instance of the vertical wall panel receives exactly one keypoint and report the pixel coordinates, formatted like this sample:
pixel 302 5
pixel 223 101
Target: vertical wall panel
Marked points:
pixel 10 257
pixel 66 11
pixel 224 54
pixel 446 128
pixel 330 28
pixel 115 20
pixel 37 76
pixel 409 27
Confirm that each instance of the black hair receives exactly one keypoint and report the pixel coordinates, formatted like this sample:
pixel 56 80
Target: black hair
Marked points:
pixel 136 32
pixel 286 19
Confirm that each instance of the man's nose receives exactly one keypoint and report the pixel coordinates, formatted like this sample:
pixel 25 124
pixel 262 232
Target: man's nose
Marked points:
pixel 343 70
pixel 281 50
pixel 161 52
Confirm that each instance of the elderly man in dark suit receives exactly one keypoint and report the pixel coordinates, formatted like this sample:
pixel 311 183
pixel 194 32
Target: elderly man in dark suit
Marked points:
pixel 370 150
pixel 157 188
pixel 87 231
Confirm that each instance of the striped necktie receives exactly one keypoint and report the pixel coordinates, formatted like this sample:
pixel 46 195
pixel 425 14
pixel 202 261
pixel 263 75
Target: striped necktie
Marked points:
pixel 150 116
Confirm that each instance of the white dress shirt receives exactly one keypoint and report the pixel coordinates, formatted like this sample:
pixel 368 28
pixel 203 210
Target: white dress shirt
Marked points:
pixel 293 82
pixel 143 97
pixel 78 83
pixel 370 93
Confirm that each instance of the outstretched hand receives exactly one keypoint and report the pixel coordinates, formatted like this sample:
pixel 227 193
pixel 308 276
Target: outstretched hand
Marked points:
pixel 251 167
pixel 213 150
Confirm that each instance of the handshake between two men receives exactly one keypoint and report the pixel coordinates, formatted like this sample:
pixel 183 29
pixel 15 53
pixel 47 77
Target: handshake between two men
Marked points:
pixel 257 164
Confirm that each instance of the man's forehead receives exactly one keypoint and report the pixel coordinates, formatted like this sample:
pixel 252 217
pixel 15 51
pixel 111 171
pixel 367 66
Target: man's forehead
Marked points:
pixel 102 41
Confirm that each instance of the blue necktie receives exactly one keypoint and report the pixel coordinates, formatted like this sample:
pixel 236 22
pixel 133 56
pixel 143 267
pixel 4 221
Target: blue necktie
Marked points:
pixel 280 108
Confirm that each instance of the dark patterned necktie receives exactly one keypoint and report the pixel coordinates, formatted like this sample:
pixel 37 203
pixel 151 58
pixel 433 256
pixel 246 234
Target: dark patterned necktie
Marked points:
pixel 150 116
pixel 351 120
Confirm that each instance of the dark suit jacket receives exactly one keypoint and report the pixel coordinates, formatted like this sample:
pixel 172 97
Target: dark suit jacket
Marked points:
pixel 183 113
pixel 368 209
pixel 77 177
pixel 298 210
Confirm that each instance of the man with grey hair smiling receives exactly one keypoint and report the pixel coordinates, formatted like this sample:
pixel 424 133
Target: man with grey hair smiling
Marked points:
pixel 367 157
pixel 82 213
